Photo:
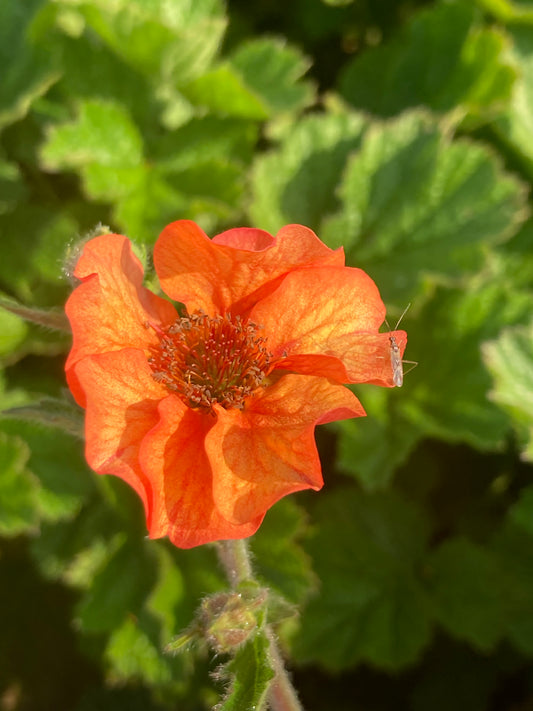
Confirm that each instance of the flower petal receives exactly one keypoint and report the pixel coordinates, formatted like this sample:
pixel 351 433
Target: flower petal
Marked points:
pixel 173 457
pixel 228 272
pixel 122 399
pixel 331 327
pixel 109 310
pixel 267 451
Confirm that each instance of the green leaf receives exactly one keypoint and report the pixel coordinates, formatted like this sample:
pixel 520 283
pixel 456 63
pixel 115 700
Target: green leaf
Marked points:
pixel 103 134
pixel 134 651
pixel 33 267
pixel 513 545
pixel 27 71
pixel 118 589
pixel 76 548
pixel 57 462
pixel 371 605
pixel 509 11
pixel 510 360
pixel 18 488
pixel 446 396
pixel 371 448
pixel 13 331
pixel 515 126
pixel 251 673
pixel 280 561
pixel 12 188
pixel 274 71
pixel 224 92
pixel 173 42
pixel 168 592
pixel 443 59
pixel 416 203
pixel 297 182
pixel 469 592
pixel 202 141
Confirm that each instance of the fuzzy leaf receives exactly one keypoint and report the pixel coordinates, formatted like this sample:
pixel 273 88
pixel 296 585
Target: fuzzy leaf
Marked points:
pixel 251 673
pixel 172 41
pixel 274 71
pixel 416 204
pixel 297 182
pixel 224 92
pixel 103 134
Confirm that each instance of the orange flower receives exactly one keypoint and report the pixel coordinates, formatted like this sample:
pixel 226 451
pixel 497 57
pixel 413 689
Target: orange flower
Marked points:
pixel 209 412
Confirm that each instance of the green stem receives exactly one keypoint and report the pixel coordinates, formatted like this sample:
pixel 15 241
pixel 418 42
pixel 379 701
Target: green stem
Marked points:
pixel 235 559
pixel 282 695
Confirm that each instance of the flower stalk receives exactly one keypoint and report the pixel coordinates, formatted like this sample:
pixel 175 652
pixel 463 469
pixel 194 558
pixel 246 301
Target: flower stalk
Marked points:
pixel 234 556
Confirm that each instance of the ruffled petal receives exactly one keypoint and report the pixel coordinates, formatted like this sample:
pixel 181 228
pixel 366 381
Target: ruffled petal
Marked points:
pixel 174 459
pixel 109 310
pixel 325 321
pixel 122 399
pixel 267 451
pixel 234 269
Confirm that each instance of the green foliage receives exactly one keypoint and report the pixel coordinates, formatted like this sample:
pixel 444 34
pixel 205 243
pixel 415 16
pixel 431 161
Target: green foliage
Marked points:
pixel 404 135
pixel 443 59
pixel 371 605
pixel 252 673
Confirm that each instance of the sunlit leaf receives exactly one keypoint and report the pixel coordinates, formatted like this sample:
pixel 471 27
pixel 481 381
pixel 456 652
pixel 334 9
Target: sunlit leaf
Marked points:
pixel 416 203
pixel 274 72
pixel 510 360
pixel 297 182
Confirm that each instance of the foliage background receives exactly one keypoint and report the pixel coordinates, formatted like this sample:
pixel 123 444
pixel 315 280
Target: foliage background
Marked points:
pixel 400 129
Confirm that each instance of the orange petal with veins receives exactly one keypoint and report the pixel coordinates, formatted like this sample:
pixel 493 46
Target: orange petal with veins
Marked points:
pixel 109 310
pixel 122 399
pixel 230 271
pixel 331 326
pixel 267 450
pixel 173 456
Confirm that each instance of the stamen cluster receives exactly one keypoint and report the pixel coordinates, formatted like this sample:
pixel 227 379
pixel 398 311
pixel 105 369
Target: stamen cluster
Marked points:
pixel 207 360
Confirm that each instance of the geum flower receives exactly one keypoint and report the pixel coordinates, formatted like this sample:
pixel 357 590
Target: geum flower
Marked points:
pixel 209 411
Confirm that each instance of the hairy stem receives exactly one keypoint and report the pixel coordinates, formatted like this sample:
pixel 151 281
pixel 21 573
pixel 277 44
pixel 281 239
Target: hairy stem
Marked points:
pixel 235 559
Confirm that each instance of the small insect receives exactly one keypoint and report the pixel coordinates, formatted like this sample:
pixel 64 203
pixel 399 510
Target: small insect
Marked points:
pixel 395 354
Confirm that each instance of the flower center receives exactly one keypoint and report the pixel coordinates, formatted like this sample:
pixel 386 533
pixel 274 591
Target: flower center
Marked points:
pixel 207 360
